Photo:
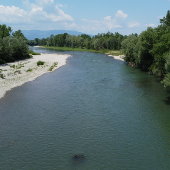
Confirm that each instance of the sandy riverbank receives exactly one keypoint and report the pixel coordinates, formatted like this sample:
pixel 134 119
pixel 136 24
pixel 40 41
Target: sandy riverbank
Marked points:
pixel 120 57
pixel 17 73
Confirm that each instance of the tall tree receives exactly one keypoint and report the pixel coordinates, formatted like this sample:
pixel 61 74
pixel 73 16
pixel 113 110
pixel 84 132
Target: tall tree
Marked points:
pixel 5 31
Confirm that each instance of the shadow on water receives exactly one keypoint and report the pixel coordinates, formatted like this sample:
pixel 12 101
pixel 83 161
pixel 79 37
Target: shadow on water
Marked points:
pixel 78 161
pixel 167 99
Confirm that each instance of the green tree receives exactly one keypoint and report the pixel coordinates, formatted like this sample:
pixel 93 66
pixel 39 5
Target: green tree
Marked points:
pixel 19 34
pixel 5 31
pixel 166 20
pixel 128 47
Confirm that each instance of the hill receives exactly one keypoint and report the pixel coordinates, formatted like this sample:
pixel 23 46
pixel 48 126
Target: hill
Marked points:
pixel 32 34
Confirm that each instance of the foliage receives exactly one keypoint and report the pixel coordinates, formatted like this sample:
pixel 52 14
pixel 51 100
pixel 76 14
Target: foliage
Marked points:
pixel 108 41
pixel 2 76
pixel 53 66
pixel 40 63
pixel 150 51
pixel 29 70
pixel 129 46
pixel 33 52
pixel 12 47
pixel 5 31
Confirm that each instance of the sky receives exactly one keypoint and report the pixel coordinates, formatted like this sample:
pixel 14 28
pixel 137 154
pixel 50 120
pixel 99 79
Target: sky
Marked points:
pixel 87 16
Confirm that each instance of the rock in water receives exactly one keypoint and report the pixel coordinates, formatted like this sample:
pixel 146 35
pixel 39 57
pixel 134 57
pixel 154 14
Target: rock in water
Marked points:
pixel 79 157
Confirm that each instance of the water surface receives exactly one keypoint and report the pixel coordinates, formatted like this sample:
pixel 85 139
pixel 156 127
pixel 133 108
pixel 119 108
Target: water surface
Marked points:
pixel 118 117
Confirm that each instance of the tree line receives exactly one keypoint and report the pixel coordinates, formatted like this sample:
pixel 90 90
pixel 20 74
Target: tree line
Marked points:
pixel 107 41
pixel 13 45
pixel 150 51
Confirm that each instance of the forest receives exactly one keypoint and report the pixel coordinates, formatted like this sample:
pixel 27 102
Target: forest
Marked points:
pixel 148 51
pixel 13 45
pixel 108 41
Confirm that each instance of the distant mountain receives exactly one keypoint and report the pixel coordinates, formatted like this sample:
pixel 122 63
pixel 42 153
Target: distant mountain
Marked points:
pixel 32 34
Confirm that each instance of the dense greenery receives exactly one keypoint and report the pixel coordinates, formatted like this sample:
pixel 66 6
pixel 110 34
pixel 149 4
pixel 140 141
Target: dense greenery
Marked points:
pixel 13 46
pixel 108 41
pixel 150 51
pixel 112 52
pixel 40 63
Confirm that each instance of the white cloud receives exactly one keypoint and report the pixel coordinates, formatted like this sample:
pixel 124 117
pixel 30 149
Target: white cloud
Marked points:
pixel 150 25
pixel 121 14
pixel 47 1
pixel 110 22
pixel 62 15
pixel 133 24
pixel 107 23
pixel 47 14
pixel 34 13
pixel 11 10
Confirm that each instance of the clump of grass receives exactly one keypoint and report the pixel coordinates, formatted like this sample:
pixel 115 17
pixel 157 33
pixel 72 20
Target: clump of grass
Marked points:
pixel 17 72
pixel 29 70
pixel 12 66
pixel 33 52
pixel 2 76
pixel 115 52
pixel 17 66
pixel 40 63
pixel 53 66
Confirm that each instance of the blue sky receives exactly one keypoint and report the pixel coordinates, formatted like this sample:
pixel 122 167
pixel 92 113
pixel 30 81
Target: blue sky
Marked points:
pixel 89 16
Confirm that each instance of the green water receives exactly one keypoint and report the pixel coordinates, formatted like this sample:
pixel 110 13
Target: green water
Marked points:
pixel 118 117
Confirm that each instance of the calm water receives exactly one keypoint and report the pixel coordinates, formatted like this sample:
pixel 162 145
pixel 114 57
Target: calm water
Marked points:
pixel 118 117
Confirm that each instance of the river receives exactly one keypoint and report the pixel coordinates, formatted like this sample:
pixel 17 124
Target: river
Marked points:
pixel 117 116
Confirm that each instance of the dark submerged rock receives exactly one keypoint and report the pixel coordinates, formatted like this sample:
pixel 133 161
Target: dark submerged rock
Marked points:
pixel 79 157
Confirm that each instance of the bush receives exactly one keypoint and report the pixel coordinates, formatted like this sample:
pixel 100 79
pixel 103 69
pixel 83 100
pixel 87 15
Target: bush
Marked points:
pixel 29 70
pixel 40 63
pixel 53 66
pixel 13 49
pixel 2 76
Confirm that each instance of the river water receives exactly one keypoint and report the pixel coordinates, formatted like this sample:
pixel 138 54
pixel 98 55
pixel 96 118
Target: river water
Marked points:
pixel 118 117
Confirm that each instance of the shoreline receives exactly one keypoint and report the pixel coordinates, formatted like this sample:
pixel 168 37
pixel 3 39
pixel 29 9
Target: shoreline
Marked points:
pixel 18 73
pixel 120 57
pixel 115 56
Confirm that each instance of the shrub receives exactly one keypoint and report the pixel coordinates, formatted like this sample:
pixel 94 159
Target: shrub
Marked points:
pixel 12 66
pixel 2 76
pixel 53 66
pixel 40 63
pixel 29 70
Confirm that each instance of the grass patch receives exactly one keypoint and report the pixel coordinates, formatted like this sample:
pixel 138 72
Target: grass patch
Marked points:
pixel 19 66
pixel 40 63
pixel 2 76
pixel 17 72
pixel 103 51
pixel 53 66
pixel 115 53
pixel 29 70
pixel 12 66
pixel 33 52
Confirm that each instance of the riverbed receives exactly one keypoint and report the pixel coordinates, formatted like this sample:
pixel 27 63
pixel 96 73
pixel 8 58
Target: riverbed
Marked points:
pixel 116 116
